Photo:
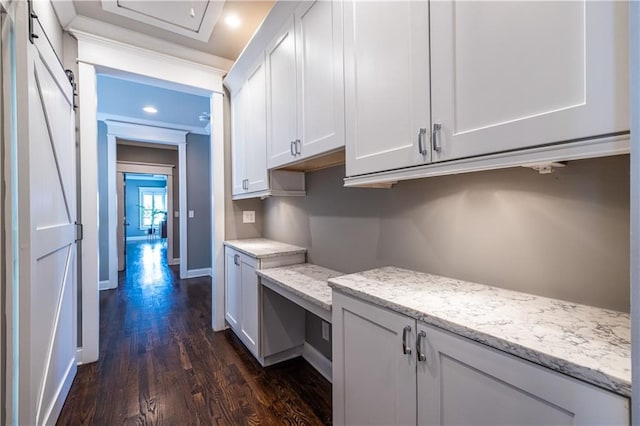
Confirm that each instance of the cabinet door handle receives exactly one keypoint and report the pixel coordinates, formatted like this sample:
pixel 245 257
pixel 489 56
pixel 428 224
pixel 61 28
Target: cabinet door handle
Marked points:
pixel 421 147
pixel 421 355
pixel 435 141
pixel 293 153
pixel 405 348
pixel 236 259
pixel 298 147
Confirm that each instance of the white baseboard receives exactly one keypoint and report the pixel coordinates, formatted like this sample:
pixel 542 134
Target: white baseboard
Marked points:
pixel 174 261
pixel 317 361
pixel 137 238
pixel 202 272
pixel 106 285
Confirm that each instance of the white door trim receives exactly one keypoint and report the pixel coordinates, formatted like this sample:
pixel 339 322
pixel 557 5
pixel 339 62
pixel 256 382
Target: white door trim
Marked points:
pixel 155 169
pixel 142 133
pixel 634 73
pixel 98 54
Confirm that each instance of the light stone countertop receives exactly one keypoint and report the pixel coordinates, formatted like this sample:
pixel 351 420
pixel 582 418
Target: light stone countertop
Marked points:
pixel 262 248
pixel 584 342
pixel 305 280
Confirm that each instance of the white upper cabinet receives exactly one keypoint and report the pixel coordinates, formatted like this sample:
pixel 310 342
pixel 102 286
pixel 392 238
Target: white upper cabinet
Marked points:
pixel 282 98
pixel 249 123
pixel 386 51
pixel 305 85
pixel 318 27
pixel 239 137
pixel 509 75
pixel 256 149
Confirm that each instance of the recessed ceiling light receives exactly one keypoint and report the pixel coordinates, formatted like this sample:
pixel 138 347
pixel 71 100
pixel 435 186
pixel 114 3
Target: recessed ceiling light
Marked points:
pixel 149 109
pixel 232 21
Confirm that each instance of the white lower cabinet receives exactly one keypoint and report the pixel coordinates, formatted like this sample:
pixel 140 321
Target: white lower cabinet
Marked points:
pixel 391 369
pixel 242 297
pixel 248 308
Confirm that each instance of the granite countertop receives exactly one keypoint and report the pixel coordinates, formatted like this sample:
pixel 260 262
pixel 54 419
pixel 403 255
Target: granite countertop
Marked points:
pixel 261 248
pixel 305 280
pixel 584 342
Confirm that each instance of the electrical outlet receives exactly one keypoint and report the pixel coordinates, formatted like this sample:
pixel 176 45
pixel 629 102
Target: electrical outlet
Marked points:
pixel 176 214
pixel 325 330
pixel 191 213
pixel 249 216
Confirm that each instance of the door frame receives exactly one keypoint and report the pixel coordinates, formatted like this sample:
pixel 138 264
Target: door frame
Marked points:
pixel 634 73
pixel 126 167
pixel 143 133
pixel 98 54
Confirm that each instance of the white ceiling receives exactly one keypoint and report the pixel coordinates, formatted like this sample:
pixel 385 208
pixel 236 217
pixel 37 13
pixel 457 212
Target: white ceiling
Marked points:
pixel 170 21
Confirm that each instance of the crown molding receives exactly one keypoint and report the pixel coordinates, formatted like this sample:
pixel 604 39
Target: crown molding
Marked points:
pixel 107 117
pixel 82 26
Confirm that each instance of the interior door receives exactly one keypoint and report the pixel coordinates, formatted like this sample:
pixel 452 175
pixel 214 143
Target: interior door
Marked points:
pixel 47 233
pixel 122 221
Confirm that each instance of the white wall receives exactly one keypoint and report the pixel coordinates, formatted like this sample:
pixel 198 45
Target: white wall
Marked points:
pixel 49 21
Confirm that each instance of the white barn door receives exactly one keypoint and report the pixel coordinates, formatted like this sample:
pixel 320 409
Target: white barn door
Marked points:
pixel 47 234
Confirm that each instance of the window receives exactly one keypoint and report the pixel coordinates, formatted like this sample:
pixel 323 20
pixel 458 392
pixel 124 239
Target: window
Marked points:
pixel 153 206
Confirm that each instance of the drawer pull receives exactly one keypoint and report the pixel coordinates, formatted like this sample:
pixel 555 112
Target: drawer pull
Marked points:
pixel 405 348
pixel 421 355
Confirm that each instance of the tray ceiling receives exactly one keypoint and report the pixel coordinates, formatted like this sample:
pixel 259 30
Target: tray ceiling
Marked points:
pixel 192 18
pixel 169 20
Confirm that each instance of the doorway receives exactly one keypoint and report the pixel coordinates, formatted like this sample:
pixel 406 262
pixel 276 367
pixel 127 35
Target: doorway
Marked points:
pixel 98 55
pixel 145 210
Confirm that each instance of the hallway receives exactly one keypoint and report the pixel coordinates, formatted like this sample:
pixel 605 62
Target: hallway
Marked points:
pixel 161 363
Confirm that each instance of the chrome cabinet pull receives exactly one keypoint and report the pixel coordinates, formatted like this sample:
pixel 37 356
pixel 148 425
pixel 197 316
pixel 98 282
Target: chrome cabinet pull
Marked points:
pixel 298 147
pixel 405 348
pixel 421 355
pixel 435 142
pixel 292 149
pixel 421 147
pixel 236 259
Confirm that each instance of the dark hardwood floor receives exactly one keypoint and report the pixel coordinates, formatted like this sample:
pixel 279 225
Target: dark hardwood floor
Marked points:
pixel 161 363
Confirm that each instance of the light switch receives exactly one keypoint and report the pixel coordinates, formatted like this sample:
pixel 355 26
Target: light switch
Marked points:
pixel 191 213
pixel 249 216
pixel 176 214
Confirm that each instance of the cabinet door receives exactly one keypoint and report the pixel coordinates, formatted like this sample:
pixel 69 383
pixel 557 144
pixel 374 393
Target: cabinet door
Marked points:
pixel 464 382
pixel 238 142
pixel 256 146
pixel 374 382
pixel 282 92
pixel 386 53
pixel 508 75
pixel 232 280
pixel 320 73
pixel 250 305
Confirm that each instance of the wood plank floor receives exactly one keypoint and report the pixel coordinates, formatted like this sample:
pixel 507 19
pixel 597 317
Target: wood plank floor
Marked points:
pixel 161 363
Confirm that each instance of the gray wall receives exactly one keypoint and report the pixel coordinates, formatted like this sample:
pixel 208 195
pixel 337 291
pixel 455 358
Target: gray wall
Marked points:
pixel 563 235
pixel 159 156
pixel 199 200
